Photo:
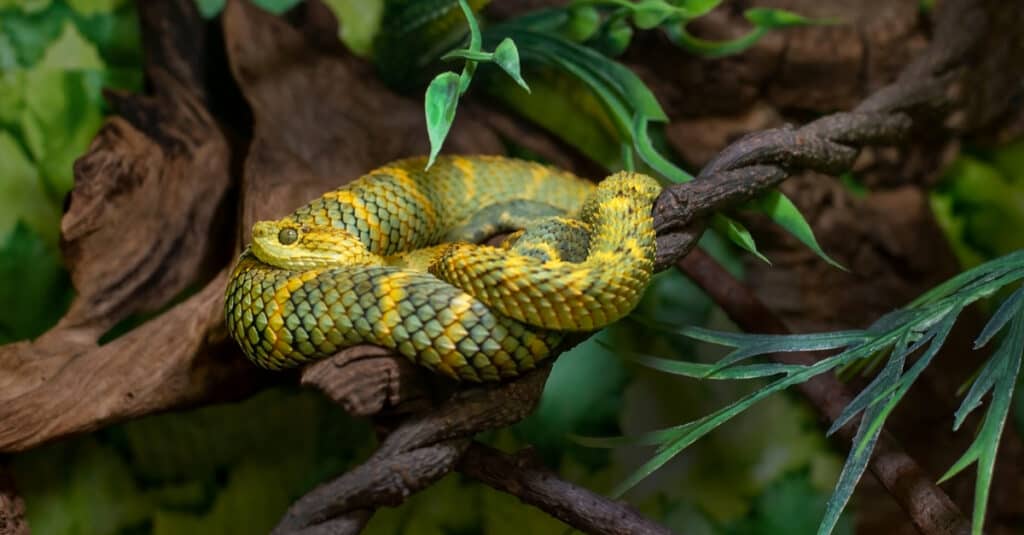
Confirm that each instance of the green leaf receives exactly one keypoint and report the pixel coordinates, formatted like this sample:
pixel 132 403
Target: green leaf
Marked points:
pixel 583 395
pixel 79 486
pixel 34 287
pixel 583 22
pixel 1002 316
pixel 784 213
pixel 30 33
pixel 94 7
pixel 440 103
pixel 707 371
pixel 693 431
pixel 507 57
pixel 649 14
pixel 771 18
pixel 358 22
pixel 883 384
pixel 63 112
pixel 996 363
pixel 614 39
pixel 789 343
pixel 22 194
pixel 692 9
pixel 737 233
pixel 211 8
pixel 986 443
pixel 853 470
pixel 71 51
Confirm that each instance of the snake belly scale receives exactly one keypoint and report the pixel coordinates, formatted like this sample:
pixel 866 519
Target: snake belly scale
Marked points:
pixel 382 260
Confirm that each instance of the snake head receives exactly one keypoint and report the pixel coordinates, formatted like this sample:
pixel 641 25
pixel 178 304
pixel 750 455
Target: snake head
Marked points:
pixel 288 244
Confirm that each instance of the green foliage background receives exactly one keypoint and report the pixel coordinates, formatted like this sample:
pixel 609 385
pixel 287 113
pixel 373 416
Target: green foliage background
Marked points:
pixel 235 468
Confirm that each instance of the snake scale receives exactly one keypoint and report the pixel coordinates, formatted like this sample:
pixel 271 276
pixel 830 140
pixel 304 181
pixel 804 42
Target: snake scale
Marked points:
pixel 387 260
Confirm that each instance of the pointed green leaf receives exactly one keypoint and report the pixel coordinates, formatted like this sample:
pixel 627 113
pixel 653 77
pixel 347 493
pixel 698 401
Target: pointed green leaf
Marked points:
pixel 937 334
pixel 1008 350
pixel 853 470
pixel 506 55
pixel 784 213
pixel 440 103
pixel 1007 310
pixel 876 391
pixel 737 233
pixel 986 444
pixel 776 343
pixel 706 371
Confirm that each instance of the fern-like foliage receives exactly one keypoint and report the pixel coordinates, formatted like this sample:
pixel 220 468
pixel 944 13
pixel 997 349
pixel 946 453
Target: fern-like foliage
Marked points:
pixel 908 339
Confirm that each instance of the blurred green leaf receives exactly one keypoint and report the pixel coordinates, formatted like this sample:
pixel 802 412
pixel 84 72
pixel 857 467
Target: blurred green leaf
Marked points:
pixel 34 287
pixel 29 33
pixel 583 22
pixel 772 18
pixel 697 8
pixel 252 502
pixel 980 205
pixel 358 22
pixel 93 7
pixel 70 51
pixel 61 116
pixel 450 506
pixel 790 505
pixel 649 14
pixel 22 194
pixel 439 105
pixel 80 487
pixel 582 396
pixel 210 8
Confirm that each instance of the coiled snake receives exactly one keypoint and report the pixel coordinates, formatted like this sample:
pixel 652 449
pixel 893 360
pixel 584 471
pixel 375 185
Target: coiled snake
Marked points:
pixel 385 260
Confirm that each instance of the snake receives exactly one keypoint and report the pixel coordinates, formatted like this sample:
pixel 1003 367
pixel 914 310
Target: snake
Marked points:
pixel 389 259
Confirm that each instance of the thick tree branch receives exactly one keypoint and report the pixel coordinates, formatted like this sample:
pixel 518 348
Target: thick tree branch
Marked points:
pixel 970 49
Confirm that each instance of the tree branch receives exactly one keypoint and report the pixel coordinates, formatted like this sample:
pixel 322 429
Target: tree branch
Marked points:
pixel 520 475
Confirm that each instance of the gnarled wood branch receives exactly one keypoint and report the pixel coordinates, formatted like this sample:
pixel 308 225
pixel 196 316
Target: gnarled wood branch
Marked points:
pixel 66 383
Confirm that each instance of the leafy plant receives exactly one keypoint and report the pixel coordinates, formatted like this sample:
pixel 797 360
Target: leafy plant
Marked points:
pixel 627 104
pixel 918 329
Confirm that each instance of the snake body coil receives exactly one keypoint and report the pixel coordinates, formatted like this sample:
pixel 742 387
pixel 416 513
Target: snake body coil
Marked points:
pixel 382 261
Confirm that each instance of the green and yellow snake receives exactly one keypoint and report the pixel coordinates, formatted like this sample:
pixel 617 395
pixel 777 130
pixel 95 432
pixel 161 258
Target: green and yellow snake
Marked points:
pixel 387 260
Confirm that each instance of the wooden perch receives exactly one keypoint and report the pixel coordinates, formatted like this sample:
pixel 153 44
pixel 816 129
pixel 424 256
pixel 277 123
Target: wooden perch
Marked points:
pixel 169 188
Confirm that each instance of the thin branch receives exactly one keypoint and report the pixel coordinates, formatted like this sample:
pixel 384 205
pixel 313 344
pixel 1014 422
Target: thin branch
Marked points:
pixel 521 476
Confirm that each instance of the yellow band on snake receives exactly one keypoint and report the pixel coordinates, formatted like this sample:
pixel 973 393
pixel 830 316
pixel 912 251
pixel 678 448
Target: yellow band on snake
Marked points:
pixel 368 263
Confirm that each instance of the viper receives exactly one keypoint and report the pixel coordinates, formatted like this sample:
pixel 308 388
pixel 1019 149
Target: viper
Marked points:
pixel 389 259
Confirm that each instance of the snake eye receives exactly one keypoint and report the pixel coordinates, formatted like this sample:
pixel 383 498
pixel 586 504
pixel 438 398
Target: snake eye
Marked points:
pixel 288 236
